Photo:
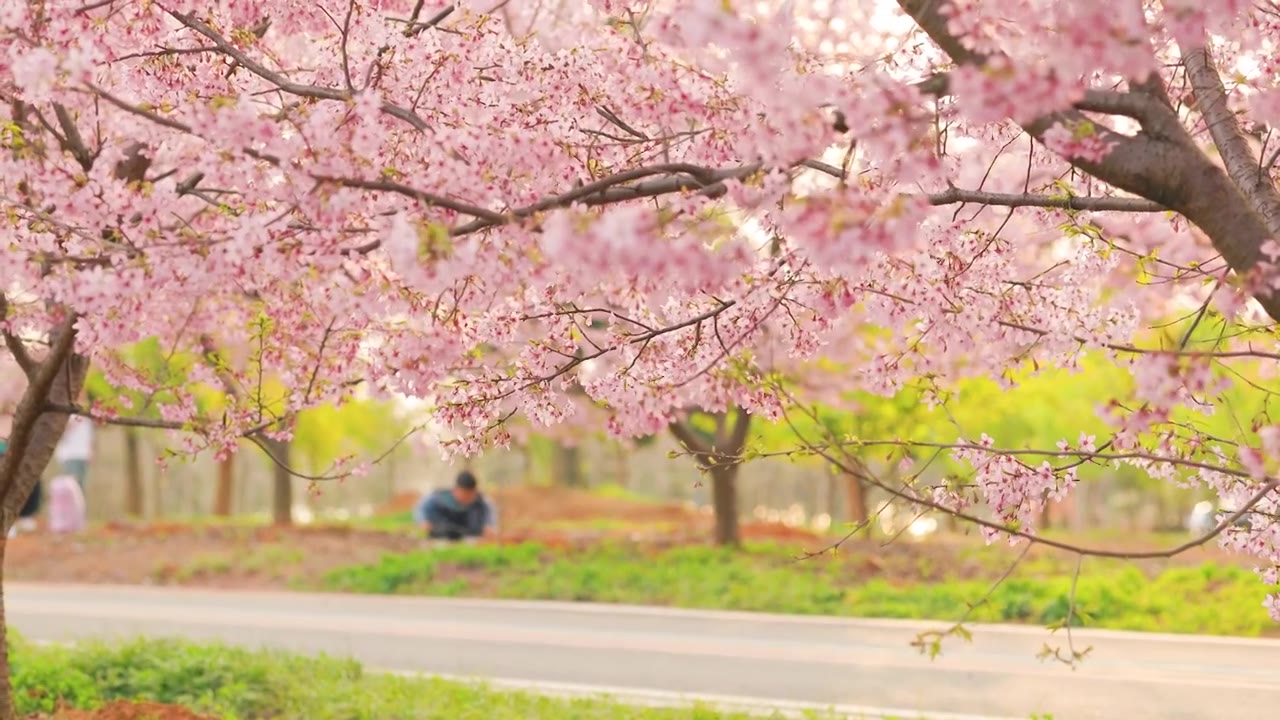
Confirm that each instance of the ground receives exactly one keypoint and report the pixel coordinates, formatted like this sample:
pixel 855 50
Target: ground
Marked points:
pixel 236 555
pixel 123 710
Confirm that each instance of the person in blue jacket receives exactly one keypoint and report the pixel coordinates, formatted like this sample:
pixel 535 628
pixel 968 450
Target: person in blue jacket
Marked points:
pixel 457 512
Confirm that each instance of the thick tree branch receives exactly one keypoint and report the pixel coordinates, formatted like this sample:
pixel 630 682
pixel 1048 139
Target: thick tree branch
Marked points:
pixel 1162 164
pixel 425 198
pixel 20 355
pixel 34 434
pixel 71 137
pixel 16 347
pixel 736 439
pixel 1145 107
pixel 1143 165
pixel 689 438
pixel 1241 164
pixel 1156 118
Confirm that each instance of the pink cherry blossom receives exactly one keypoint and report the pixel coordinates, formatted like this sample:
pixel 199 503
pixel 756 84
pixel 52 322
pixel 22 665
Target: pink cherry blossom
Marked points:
pixel 611 212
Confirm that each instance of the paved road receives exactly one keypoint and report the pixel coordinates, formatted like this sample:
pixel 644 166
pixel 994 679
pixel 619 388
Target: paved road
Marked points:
pixel 865 663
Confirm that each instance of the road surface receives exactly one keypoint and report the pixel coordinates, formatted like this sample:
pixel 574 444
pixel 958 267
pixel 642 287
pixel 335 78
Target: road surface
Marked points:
pixel 831 662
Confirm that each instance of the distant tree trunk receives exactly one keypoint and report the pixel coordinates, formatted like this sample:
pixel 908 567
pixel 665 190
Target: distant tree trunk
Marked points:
pixel 282 481
pixel 724 499
pixel 719 455
pixel 622 466
pixel 132 474
pixel 855 497
pixel 567 466
pixel 224 490
pixel 830 497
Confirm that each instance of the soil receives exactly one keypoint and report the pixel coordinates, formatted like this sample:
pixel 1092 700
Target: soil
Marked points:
pixel 563 519
pixel 230 556
pixel 123 710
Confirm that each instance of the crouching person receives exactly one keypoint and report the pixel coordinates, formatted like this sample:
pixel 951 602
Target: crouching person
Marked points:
pixel 456 513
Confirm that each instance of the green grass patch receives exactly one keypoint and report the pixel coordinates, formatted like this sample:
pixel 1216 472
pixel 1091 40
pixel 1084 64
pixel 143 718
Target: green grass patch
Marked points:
pixel 239 684
pixel 1208 599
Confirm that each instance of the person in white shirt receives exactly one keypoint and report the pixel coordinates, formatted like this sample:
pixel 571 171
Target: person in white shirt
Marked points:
pixel 75 449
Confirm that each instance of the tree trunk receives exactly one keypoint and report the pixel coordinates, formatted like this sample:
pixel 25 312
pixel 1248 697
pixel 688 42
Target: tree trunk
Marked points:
pixel 7 710
pixel 282 482
pixel 719 455
pixel 33 436
pixel 724 499
pixel 622 466
pixel 567 464
pixel 855 497
pixel 132 474
pixel 222 493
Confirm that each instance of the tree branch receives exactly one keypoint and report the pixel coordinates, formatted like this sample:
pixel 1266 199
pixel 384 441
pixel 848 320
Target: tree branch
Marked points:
pixel 73 141
pixel 613 189
pixel 16 348
pixel 1163 163
pixel 737 437
pixel 1144 107
pixel 425 198
pixel 1143 165
pixel 855 467
pixel 1155 117
pixel 1242 166
pixel 139 422
pixel 32 406
pixel 952 196
pixel 310 91
pixel 688 437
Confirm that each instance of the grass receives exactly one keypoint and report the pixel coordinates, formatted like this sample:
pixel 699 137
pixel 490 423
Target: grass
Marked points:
pixel 1208 598
pixel 239 684
pixel 269 560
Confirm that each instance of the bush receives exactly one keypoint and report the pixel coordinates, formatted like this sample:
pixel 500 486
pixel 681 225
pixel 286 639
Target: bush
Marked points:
pixel 1204 599
pixel 238 684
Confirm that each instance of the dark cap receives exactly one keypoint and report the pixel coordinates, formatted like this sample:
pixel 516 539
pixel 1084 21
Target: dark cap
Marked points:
pixel 465 480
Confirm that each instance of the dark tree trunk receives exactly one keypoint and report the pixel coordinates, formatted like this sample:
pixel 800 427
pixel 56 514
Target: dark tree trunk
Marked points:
pixel 56 381
pixel 622 467
pixel 855 495
pixel 282 482
pixel 223 491
pixel 567 466
pixel 724 499
pixel 132 474
pixel 719 455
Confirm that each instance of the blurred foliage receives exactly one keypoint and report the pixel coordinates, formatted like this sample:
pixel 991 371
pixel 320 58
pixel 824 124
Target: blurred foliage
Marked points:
pixel 239 684
pixel 322 434
pixel 1207 599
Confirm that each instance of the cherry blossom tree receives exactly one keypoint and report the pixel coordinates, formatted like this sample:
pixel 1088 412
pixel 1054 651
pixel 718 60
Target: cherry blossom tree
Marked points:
pixel 489 204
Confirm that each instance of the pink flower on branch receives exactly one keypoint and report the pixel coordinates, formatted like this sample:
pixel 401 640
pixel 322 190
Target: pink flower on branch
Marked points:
pixel 617 211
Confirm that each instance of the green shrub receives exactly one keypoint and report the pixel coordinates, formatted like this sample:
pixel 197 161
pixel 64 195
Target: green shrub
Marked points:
pixel 1208 598
pixel 43 677
pixel 237 684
